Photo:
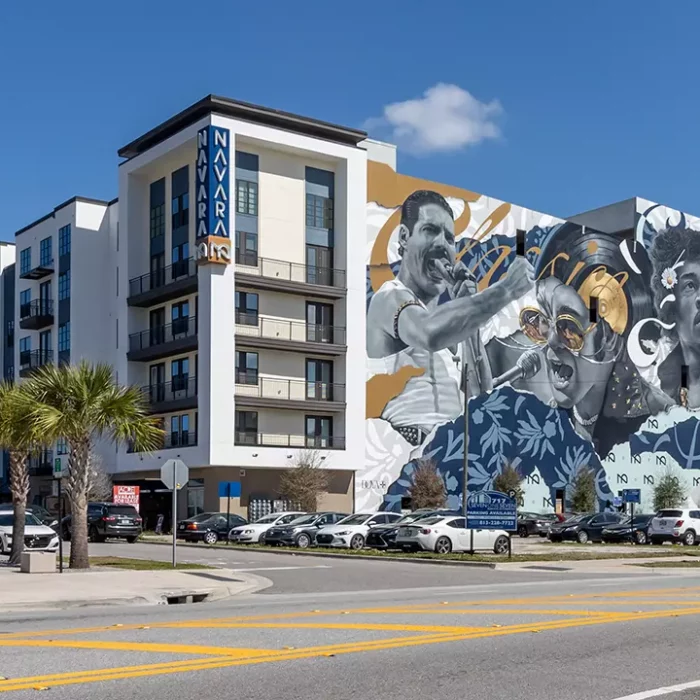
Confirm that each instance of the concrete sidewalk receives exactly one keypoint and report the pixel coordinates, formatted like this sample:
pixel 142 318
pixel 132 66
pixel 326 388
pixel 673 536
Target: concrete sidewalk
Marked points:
pixel 605 566
pixel 74 589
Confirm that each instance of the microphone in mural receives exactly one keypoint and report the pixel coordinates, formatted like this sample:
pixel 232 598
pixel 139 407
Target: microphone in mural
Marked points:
pixel 526 367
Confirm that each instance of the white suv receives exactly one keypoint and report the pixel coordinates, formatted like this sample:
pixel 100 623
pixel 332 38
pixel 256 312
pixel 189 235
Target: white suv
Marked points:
pixel 676 525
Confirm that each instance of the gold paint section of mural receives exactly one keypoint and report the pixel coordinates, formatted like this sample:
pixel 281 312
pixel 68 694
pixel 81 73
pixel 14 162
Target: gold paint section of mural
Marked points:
pixel 382 388
pixel 612 302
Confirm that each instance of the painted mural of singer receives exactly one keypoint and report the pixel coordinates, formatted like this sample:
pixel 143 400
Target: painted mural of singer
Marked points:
pixel 407 326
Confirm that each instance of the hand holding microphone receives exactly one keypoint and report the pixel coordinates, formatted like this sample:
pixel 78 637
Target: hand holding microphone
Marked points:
pixel 527 366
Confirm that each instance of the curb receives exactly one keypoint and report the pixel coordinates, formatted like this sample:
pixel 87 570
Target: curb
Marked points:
pixel 332 555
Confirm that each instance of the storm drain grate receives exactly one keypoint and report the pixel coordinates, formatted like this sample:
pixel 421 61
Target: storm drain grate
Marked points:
pixel 184 599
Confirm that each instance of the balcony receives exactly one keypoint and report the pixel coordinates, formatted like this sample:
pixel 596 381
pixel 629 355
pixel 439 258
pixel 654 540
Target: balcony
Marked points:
pixel 35 315
pixel 297 441
pixel 31 360
pixel 177 395
pixel 173 281
pixel 172 441
pixel 283 276
pixel 161 341
pixel 41 463
pixel 254 331
pixel 267 392
pixel 44 269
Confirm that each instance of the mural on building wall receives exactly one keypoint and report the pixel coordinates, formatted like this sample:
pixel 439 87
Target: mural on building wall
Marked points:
pixel 571 353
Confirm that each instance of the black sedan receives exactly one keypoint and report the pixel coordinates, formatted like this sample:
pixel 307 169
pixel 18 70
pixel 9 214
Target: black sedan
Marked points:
pixel 208 527
pixel 384 536
pixel 636 531
pixel 301 532
pixel 587 527
pixel 535 523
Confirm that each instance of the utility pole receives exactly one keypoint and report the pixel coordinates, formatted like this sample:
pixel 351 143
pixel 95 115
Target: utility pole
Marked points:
pixel 465 461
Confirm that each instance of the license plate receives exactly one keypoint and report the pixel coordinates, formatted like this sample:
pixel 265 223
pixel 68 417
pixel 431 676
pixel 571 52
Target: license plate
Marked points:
pixel 662 523
pixel 405 531
pixel 182 527
pixel 125 522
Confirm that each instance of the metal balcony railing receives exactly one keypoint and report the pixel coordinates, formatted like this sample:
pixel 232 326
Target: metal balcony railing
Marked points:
pixel 38 307
pixel 296 331
pixel 252 264
pixel 168 392
pixel 298 441
pixel 288 389
pixel 158 279
pixel 173 441
pixel 160 335
pixel 33 359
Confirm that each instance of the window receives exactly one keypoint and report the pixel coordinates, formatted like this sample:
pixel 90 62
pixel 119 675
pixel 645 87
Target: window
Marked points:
pixel 25 261
pixel 246 367
pixel 180 202
pixel 247 248
pixel 25 297
pixel 181 254
pixel 520 242
pixel 319 380
pixel 64 240
pixel 319 211
pixel 180 316
pixel 458 523
pixel 319 322
pixel 157 270
pixel 247 197
pixel 45 257
pixel 64 337
pixel 10 333
pixel 319 431
pixel 179 374
pixel 45 343
pixel 247 427
pixel 61 446
pixel 64 285
pixel 180 430
pixel 247 308
pixel 25 348
pixel 319 265
pixel 156 222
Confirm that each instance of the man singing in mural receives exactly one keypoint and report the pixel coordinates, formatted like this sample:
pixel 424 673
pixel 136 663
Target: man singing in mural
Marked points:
pixel 407 326
pixel 676 285
pixel 589 371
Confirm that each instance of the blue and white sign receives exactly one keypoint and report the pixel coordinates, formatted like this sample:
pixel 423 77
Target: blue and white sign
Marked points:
pixel 632 495
pixel 491 510
pixel 213 175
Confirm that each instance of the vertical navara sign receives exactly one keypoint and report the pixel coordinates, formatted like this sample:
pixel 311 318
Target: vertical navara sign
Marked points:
pixel 213 244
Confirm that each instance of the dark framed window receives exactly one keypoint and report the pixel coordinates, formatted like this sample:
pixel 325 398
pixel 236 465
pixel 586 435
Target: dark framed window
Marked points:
pixel 45 256
pixel 10 333
pixel 25 261
pixel 319 322
pixel 247 248
pixel 181 254
pixel 247 308
pixel 25 296
pixel 319 380
pixel 157 270
pixel 64 337
pixel 61 446
pixel 179 373
pixel 64 240
pixel 180 210
pixel 156 222
pixel 246 367
pixel 64 285
pixel 319 211
pixel 247 427
pixel 25 344
pixel 247 197
pixel 179 430
pixel 319 431
pixel 180 316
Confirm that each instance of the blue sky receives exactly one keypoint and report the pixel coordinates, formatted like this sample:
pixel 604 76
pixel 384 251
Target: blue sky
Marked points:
pixel 555 105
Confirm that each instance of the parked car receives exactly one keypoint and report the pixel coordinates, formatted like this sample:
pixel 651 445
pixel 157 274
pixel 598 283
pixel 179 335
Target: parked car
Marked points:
pixel 535 523
pixel 629 530
pixel 445 534
pixel 43 515
pixel 37 536
pixel 255 531
pixel 675 525
pixel 301 532
pixel 583 528
pixel 352 531
pixel 384 536
pixel 208 527
pixel 116 520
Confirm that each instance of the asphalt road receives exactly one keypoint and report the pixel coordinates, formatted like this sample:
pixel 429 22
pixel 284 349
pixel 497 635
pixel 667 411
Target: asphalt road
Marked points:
pixel 492 638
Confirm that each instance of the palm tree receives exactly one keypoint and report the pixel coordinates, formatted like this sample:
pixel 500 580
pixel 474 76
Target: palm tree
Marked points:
pixel 82 404
pixel 18 435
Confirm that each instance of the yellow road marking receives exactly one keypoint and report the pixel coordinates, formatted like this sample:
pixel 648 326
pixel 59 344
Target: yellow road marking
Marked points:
pixel 380 626
pixel 183 667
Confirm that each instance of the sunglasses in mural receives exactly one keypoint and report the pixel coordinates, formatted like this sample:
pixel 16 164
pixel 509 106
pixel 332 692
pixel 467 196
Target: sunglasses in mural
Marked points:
pixel 536 326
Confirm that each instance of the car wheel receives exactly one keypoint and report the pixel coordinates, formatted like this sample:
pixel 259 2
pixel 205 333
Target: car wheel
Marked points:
pixel 501 545
pixel 582 537
pixel 93 535
pixel 522 531
pixel 303 541
pixel 357 542
pixel 443 545
pixel 131 539
pixel 211 538
pixel 261 539
pixel 640 537
pixel 689 538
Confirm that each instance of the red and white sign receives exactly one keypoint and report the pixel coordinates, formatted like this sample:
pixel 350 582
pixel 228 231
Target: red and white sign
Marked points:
pixel 126 495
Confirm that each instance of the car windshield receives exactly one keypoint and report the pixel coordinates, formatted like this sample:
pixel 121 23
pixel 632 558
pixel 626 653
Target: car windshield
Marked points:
pixel 8 519
pixel 304 519
pixel 357 519
pixel 267 519
pixel 202 517
pixel 122 510
pixel 578 518
pixel 669 514
pixel 641 519
pixel 432 520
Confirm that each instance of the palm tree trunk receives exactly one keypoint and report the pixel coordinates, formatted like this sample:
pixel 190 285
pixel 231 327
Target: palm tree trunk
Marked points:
pixel 19 487
pixel 78 483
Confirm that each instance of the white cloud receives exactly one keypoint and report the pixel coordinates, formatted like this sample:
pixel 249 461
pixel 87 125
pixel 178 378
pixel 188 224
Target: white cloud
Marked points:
pixel 446 118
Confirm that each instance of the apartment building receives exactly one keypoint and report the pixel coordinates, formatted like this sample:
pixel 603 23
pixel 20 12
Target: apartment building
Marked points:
pixel 7 312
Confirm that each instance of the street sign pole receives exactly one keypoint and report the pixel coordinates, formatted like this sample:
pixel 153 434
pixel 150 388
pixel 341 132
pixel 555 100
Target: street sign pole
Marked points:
pixel 228 509
pixel 174 474
pixel 174 519
pixel 465 461
pixel 60 528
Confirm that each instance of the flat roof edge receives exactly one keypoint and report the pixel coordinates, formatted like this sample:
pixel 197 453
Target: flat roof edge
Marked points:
pixel 51 214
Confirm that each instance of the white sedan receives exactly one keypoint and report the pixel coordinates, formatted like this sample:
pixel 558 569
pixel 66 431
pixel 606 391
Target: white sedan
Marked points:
pixel 449 534
pixel 37 537
pixel 255 532
pixel 352 531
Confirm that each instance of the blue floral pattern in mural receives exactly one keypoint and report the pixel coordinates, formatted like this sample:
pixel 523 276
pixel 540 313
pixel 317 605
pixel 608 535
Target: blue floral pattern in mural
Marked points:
pixel 681 441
